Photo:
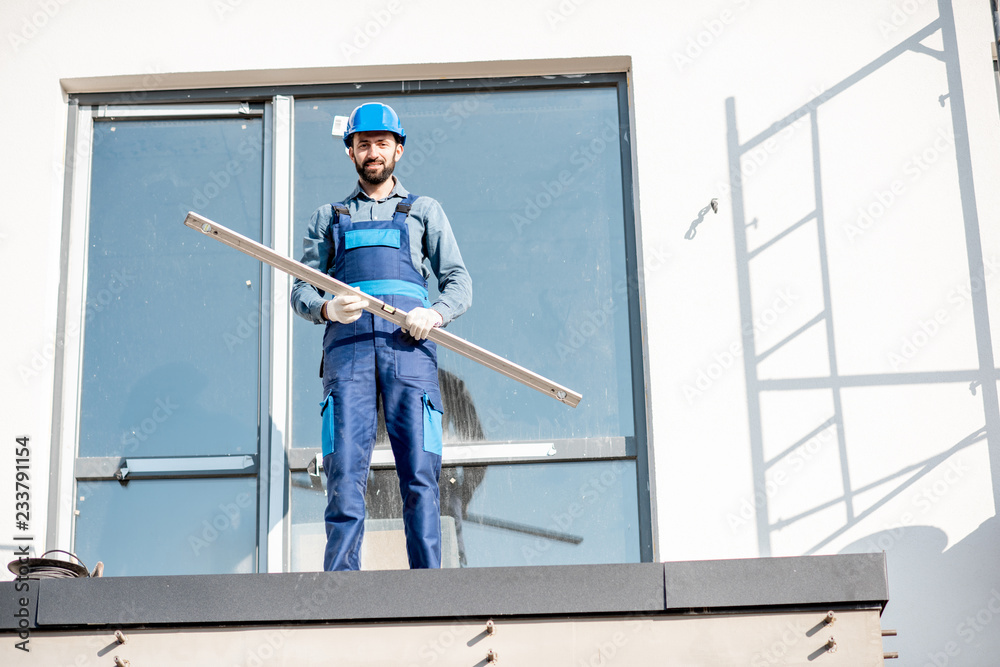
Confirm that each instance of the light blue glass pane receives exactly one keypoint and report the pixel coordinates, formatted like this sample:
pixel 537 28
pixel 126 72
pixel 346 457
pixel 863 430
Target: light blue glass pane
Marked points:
pixel 531 181
pixel 501 515
pixel 156 527
pixel 171 336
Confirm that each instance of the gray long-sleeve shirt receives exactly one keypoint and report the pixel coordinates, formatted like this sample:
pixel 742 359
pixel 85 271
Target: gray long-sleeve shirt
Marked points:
pixel 431 238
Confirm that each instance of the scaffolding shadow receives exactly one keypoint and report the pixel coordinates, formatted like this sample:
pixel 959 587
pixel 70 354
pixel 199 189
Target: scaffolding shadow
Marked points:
pixel 984 376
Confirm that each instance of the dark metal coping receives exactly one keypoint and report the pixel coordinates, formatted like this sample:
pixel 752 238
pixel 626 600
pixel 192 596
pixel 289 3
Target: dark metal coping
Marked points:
pixel 348 89
pixel 758 584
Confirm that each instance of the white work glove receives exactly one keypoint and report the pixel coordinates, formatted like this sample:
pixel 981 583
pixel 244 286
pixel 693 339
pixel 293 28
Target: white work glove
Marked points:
pixel 344 309
pixel 420 321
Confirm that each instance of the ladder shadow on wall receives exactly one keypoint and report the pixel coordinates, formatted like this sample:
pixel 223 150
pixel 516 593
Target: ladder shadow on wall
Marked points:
pixel 822 424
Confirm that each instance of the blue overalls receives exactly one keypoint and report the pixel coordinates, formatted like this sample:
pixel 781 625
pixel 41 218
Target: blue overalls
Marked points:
pixel 372 357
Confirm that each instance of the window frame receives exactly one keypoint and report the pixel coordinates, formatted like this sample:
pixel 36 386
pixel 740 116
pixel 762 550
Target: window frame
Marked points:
pixel 71 330
pixel 277 458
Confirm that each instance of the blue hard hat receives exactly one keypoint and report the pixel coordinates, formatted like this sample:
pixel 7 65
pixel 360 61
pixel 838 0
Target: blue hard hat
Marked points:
pixel 374 117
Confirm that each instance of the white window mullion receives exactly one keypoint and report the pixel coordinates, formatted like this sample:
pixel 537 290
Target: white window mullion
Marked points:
pixel 281 325
pixel 70 353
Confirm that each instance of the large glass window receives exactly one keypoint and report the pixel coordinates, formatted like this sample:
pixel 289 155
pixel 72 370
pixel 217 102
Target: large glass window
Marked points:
pixel 184 358
pixel 531 180
pixel 491 515
pixel 164 304
pixel 170 360
pixel 168 526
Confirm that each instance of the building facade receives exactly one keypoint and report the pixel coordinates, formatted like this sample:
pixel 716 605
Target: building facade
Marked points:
pixel 759 238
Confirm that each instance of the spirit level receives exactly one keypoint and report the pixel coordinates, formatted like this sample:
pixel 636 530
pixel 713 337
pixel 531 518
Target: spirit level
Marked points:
pixel 381 309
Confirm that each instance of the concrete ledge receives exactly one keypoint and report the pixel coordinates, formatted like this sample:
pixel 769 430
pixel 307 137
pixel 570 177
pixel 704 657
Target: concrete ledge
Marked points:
pixel 756 582
pixel 309 597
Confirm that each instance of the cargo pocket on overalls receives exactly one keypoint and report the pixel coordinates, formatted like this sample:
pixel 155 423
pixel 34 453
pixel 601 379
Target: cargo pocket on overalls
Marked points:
pixel 326 414
pixel 432 426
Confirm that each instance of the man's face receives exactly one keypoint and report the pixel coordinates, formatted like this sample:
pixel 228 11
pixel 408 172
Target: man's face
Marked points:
pixel 375 155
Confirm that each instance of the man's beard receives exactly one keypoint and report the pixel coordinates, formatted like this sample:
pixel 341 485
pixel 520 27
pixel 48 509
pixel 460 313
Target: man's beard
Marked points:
pixel 375 177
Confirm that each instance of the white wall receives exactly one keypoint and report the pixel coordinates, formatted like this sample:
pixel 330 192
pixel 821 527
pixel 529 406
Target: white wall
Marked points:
pixel 888 277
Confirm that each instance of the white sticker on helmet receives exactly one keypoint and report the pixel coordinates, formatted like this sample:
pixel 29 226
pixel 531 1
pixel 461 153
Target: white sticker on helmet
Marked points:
pixel 339 125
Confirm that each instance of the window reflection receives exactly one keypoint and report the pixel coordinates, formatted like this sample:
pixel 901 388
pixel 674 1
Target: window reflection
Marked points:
pixel 497 515
pixel 171 343
pixel 168 526
pixel 170 359
pixel 514 514
pixel 542 233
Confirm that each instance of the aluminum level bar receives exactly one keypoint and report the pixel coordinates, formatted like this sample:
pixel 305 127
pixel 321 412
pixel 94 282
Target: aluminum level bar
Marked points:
pixel 377 307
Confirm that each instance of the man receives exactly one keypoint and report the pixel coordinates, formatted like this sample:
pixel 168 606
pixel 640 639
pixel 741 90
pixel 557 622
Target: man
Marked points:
pixel 377 240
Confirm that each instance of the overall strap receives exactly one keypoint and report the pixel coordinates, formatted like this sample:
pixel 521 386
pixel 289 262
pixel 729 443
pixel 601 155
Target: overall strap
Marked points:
pixel 340 213
pixel 403 208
